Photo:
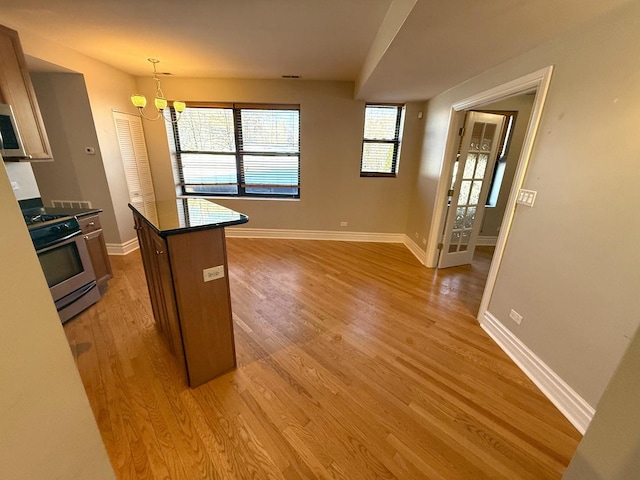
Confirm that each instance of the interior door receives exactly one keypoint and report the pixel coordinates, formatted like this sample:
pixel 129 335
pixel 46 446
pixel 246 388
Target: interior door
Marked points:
pixel 470 187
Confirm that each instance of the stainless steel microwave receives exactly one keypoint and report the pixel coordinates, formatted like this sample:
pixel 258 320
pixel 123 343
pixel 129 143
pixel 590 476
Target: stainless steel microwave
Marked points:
pixel 11 145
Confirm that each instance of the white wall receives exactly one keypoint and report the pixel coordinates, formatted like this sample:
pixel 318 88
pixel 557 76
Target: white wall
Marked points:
pixel 22 174
pixel 571 262
pixel 610 449
pixel 47 427
pixel 331 130
pixel 74 175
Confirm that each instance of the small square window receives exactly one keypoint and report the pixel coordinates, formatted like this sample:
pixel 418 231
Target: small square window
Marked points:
pixel 382 138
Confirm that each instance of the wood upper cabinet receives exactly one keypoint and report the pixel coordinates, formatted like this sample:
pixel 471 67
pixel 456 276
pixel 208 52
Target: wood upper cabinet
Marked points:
pixel 94 238
pixel 16 90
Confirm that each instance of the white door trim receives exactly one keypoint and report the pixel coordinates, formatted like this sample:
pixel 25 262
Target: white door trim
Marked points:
pixel 538 81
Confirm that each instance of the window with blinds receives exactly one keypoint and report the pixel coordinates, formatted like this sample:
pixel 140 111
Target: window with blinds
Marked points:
pixel 238 150
pixel 382 138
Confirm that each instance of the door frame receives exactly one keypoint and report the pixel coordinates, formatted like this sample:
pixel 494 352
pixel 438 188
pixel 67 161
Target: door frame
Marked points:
pixel 537 81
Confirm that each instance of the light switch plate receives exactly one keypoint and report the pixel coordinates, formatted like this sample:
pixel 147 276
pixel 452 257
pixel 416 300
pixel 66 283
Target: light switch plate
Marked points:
pixel 526 197
pixel 213 273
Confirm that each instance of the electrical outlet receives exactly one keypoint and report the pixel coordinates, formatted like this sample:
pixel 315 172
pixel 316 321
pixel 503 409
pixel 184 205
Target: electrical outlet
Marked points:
pixel 213 273
pixel 424 241
pixel 417 235
pixel 15 185
pixel 344 224
pixel 515 316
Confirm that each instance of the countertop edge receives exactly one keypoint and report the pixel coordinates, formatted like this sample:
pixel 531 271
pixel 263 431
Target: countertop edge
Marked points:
pixel 178 231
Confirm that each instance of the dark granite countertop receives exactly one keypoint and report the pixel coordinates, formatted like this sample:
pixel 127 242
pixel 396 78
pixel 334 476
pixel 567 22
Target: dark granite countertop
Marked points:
pixel 185 215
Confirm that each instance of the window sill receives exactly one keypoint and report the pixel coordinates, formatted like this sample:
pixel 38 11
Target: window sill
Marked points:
pixel 268 199
pixel 371 174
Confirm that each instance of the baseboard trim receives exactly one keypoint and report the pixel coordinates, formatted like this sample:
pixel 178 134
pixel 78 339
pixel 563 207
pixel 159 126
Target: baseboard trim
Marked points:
pixel 572 405
pixel 232 232
pixel 486 241
pixel 122 248
pixel 413 247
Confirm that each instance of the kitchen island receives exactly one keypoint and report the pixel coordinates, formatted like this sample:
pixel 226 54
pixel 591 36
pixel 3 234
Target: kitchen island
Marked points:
pixel 183 249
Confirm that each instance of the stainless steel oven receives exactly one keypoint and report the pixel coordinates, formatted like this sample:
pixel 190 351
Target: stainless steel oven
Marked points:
pixel 66 264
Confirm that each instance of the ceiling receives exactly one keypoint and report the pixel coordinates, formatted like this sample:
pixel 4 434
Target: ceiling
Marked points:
pixel 432 46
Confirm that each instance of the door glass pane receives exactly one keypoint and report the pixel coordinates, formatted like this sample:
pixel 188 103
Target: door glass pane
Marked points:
pixel 475 193
pixel 476 135
pixel 464 192
pixel 469 217
pixel 469 166
pixel 465 235
pixel 482 166
pixel 459 218
pixel 455 239
pixel 489 133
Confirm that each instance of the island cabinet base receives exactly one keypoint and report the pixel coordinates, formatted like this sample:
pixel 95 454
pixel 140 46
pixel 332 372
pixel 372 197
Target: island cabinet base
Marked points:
pixel 193 315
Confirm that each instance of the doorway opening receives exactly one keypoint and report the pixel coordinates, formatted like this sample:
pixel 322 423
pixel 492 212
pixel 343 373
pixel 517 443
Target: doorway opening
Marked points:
pixel 531 88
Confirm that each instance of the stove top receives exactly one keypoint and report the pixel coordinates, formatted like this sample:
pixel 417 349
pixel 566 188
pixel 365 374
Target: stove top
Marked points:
pixel 47 229
pixel 37 217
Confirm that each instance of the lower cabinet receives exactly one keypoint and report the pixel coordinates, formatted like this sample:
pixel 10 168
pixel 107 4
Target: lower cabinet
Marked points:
pixel 193 316
pixel 94 238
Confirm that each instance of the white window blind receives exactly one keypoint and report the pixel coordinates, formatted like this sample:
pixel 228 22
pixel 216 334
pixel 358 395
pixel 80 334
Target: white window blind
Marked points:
pixel 238 150
pixel 381 142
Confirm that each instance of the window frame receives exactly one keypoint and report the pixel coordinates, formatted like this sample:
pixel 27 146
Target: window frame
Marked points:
pixel 503 153
pixel 239 152
pixel 396 141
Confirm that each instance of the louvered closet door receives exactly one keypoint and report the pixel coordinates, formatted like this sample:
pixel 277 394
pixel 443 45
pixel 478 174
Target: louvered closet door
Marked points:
pixel 136 163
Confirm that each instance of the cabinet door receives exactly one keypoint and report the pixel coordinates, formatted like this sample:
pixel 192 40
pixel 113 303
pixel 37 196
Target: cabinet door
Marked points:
pixel 160 283
pixel 169 312
pixel 94 238
pixel 99 256
pixel 16 90
pixel 150 267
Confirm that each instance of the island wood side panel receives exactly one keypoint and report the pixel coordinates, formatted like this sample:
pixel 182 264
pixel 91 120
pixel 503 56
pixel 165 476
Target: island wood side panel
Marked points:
pixel 205 307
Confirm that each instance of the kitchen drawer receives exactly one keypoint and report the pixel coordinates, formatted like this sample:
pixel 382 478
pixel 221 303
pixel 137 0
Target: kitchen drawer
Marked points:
pixel 89 223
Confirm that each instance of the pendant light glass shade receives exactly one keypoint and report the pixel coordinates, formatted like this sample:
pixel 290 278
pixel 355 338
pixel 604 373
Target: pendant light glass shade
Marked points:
pixel 140 101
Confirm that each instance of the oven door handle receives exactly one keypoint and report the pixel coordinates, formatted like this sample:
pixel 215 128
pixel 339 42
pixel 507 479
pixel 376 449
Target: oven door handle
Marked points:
pixel 73 296
pixel 58 241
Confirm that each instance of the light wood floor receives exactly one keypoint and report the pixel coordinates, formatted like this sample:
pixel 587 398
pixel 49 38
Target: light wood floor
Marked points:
pixel 355 362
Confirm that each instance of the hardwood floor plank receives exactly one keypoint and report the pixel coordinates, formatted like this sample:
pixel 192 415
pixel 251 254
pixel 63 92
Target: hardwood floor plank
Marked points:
pixel 354 362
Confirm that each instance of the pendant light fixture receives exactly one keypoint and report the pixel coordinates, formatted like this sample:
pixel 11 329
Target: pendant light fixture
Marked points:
pixel 140 101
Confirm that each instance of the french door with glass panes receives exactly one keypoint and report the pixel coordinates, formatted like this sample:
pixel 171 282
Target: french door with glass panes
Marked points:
pixel 470 187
